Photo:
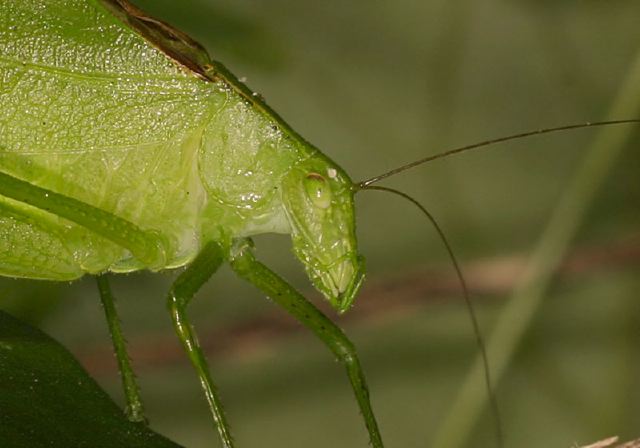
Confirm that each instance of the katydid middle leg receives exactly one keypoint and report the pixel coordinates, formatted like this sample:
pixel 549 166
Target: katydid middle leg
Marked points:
pixel 181 293
pixel 246 266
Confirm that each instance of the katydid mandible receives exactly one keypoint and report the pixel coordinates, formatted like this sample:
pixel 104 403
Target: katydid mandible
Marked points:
pixel 123 147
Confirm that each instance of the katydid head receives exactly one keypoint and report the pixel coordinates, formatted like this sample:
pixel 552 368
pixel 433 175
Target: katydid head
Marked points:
pixel 318 201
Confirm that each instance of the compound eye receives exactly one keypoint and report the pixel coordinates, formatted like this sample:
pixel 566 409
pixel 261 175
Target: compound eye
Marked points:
pixel 318 190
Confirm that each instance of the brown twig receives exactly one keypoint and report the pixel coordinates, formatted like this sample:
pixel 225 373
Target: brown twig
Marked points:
pixel 611 442
pixel 397 295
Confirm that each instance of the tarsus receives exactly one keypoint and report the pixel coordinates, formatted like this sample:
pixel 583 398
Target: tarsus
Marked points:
pixel 467 298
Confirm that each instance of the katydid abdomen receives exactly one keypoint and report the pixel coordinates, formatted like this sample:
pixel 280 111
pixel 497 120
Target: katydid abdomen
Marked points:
pixel 135 133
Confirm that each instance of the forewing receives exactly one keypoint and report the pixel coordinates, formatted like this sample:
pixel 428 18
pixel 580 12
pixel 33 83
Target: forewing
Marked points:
pixel 79 36
pixel 173 42
pixel 93 110
pixel 75 78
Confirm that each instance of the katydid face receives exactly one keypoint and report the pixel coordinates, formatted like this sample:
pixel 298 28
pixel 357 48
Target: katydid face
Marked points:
pixel 318 200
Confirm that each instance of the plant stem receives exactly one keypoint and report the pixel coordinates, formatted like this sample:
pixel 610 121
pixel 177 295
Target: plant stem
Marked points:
pixel 563 225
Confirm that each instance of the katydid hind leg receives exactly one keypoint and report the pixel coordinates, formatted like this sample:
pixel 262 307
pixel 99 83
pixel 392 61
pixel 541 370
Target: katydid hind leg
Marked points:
pixel 134 409
pixel 181 293
pixel 246 266
pixel 146 246
pixel 33 246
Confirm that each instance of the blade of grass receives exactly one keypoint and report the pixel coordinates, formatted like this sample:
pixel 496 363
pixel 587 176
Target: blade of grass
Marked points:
pixel 565 221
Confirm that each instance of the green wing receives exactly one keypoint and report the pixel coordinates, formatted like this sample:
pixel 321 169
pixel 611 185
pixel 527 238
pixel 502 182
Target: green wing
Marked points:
pixel 76 78
pixel 93 110
pixel 83 37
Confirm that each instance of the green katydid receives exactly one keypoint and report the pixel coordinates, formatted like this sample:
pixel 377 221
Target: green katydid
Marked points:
pixel 123 146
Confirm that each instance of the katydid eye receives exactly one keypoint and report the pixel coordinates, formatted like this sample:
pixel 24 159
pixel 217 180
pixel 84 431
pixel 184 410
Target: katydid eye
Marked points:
pixel 318 190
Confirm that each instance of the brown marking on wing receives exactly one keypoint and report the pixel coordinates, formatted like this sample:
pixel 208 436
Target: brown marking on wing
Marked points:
pixel 188 53
pixel 176 44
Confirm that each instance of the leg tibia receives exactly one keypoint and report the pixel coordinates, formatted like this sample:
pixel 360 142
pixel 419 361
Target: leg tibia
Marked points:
pixel 134 410
pixel 182 291
pixel 246 266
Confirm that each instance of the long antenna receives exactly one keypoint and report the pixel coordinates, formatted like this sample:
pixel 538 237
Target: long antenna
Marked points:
pixel 378 178
pixel 467 298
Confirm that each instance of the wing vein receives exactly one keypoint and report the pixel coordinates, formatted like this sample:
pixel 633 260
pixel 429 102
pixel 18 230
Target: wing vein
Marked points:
pixel 101 76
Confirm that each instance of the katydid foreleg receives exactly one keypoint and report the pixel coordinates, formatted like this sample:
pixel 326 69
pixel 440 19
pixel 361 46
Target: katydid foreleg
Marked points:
pixel 246 266
pixel 182 291
pixel 134 409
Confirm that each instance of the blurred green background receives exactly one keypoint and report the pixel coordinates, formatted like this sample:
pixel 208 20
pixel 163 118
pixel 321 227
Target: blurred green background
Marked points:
pixel 375 84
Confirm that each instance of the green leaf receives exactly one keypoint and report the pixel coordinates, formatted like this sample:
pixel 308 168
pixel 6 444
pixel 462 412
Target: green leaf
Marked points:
pixel 48 400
